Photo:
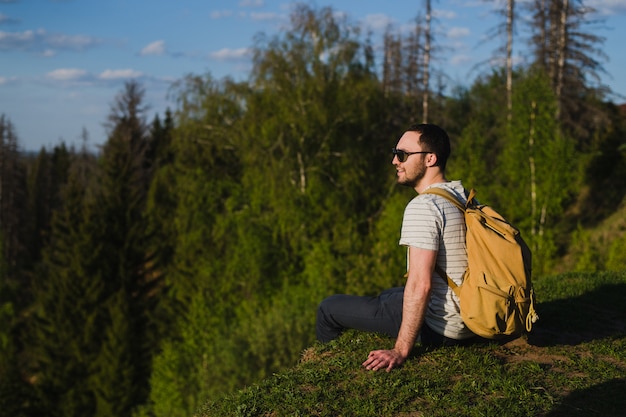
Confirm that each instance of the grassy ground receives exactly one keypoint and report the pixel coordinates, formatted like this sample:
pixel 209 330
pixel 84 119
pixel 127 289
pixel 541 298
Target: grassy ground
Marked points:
pixel 572 364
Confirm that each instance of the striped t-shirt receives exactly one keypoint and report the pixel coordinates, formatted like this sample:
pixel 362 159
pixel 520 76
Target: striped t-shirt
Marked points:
pixel 433 223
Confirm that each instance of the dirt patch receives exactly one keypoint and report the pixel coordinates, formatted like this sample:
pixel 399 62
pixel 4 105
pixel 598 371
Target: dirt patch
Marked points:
pixel 519 350
pixel 311 354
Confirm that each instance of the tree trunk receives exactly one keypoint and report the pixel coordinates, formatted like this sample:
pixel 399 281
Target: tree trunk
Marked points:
pixel 427 39
pixel 562 44
pixel 509 58
pixel 533 179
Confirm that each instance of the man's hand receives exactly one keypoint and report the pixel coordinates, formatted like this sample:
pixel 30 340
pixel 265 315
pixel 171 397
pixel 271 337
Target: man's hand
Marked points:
pixel 383 359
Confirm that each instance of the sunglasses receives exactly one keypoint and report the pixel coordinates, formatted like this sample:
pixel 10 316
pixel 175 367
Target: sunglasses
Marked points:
pixel 404 155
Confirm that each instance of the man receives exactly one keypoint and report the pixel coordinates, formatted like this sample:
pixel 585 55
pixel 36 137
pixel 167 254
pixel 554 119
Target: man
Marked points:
pixel 433 229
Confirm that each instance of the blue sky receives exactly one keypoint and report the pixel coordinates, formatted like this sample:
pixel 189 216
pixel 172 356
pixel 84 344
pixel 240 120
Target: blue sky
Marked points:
pixel 62 62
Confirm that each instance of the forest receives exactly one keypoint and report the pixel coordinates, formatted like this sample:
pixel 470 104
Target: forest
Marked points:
pixel 185 258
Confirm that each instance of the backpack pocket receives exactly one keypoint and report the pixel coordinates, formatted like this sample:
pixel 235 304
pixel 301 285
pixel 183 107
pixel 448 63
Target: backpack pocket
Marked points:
pixel 488 311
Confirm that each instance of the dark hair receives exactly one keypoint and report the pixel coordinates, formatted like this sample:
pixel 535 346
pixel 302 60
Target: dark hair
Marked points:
pixel 434 139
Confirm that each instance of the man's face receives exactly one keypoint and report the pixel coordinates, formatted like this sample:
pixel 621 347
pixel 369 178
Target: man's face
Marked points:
pixel 411 171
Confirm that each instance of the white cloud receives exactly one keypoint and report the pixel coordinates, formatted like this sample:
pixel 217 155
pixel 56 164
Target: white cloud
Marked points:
pixel 77 76
pixel 444 14
pixel 154 48
pixel 71 42
pixel 16 40
pixel 460 59
pixel 607 7
pixel 67 74
pixel 9 80
pixel 458 32
pixel 40 40
pixel 377 21
pixel 251 3
pixel 264 16
pixel 230 54
pixel 119 74
pixel 4 19
pixel 340 14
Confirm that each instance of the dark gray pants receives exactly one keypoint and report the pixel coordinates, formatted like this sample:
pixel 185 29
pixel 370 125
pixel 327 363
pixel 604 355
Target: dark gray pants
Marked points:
pixel 379 314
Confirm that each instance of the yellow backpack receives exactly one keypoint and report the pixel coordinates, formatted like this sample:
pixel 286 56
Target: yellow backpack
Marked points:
pixel 496 296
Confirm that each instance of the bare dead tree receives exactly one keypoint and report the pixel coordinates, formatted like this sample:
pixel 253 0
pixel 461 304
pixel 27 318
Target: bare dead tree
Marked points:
pixel 510 11
pixel 426 62
pixel 571 57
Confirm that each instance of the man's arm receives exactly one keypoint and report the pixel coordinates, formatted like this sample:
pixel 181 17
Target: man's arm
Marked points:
pixel 416 295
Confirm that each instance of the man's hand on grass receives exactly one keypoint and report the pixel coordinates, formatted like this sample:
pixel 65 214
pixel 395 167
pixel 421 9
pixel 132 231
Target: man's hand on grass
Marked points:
pixel 383 359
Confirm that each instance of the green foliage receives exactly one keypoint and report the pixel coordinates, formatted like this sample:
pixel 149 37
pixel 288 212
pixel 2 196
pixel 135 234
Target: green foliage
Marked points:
pixel 7 314
pixel 384 263
pixel 475 157
pixel 604 166
pixel 17 397
pixel 114 372
pixel 586 254
pixel 66 333
pixel 203 361
pixel 541 164
pixel 617 254
pixel 48 175
pixel 274 333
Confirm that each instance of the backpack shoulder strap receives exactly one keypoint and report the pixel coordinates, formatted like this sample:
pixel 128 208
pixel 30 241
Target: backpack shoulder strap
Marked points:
pixel 451 283
pixel 450 197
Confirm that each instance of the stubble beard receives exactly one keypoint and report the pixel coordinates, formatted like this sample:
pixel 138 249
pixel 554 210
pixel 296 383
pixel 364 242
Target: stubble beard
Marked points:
pixel 414 180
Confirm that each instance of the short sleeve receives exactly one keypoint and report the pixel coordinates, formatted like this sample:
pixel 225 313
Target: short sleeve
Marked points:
pixel 422 224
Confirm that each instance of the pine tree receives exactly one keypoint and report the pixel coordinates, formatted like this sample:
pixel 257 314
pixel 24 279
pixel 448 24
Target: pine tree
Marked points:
pixel 66 330
pixel 161 205
pixel 47 175
pixel 12 203
pixel 16 396
pixel 115 379
pixel 124 177
pixel 93 349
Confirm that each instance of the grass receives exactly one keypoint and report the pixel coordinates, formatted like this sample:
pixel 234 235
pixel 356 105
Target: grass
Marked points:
pixel 572 364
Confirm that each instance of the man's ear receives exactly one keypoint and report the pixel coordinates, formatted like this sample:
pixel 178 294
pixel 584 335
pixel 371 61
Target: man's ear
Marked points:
pixel 431 159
